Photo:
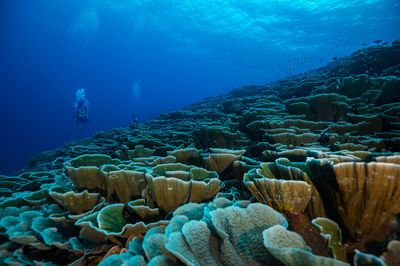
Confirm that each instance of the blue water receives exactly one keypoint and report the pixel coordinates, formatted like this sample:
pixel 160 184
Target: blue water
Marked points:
pixel 176 52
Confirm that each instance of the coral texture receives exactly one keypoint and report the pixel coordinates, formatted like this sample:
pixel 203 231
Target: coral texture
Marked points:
pixel 302 171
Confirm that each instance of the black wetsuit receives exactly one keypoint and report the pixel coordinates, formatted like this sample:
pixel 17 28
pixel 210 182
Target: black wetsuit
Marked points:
pixel 82 112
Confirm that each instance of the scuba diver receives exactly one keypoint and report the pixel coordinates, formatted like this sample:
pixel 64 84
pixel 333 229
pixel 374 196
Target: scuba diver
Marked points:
pixel 135 122
pixel 82 111
pixel 82 107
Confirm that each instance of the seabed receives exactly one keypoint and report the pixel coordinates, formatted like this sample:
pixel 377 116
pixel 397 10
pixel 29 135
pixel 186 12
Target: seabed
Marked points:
pixel 302 171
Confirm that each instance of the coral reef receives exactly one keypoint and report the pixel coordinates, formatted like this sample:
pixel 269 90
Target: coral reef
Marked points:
pixel 302 171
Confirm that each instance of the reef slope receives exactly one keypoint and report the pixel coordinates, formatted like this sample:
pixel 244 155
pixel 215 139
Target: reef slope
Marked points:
pixel 301 171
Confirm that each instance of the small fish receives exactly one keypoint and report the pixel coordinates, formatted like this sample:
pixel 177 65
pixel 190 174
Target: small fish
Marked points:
pixel 279 65
pixel 342 39
pixel 334 58
pixel 377 41
pixel 363 44
pixel 374 30
pixel 385 43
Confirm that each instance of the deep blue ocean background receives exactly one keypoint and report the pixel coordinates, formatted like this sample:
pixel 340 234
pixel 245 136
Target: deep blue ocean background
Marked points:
pixel 176 51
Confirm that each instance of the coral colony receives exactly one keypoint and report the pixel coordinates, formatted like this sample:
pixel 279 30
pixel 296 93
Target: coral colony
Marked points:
pixel 302 171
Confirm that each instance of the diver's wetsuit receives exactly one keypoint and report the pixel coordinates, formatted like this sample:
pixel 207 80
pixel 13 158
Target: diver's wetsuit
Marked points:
pixel 82 111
